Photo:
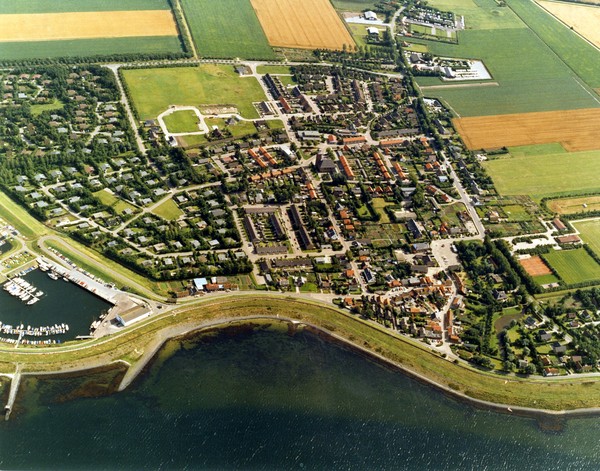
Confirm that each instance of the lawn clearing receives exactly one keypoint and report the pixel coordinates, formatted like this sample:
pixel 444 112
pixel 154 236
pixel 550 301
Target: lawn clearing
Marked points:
pixel 545 279
pixel 239 129
pixel 85 25
pixel 574 205
pixel 535 266
pixel 575 130
pixel 546 175
pixel 20 219
pixel 589 231
pixel 529 75
pixel 226 28
pixel 309 24
pixel 379 205
pixel 274 69
pixel 154 90
pixel 574 266
pixel 582 18
pixel 108 199
pixel 537 149
pixel 182 121
pixel 54 105
pixel 168 210
pixel 354 5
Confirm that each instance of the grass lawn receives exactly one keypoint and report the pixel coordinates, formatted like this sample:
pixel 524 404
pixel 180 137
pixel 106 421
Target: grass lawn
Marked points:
pixel 354 5
pixel 546 175
pixel 274 69
pixel 154 90
pixel 61 6
pixel 182 121
pixel 21 220
pixel 239 129
pixel 573 266
pixel 545 279
pixel 39 109
pixel 226 28
pixel 90 47
pixel 578 54
pixel 168 210
pixel 589 232
pixel 516 212
pixel 421 48
pixel 537 149
pixel 527 71
pixel 275 124
pixel 117 203
pixel 379 204
pixel 192 140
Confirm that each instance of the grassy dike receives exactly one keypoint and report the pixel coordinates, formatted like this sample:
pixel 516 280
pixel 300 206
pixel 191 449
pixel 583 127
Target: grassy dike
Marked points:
pixel 131 344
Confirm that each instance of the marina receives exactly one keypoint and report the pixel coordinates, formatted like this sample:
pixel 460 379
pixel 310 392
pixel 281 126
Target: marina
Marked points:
pixel 63 311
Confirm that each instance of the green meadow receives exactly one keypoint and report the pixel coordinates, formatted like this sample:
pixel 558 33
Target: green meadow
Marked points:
pixel 589 231
pixel 154 90
pixel 182 121
pixel 62 6
pixel 547 174
pixel 573 266
pixel 226 29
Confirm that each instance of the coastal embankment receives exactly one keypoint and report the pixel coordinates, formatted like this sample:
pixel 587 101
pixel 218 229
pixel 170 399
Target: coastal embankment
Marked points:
pixel 136 346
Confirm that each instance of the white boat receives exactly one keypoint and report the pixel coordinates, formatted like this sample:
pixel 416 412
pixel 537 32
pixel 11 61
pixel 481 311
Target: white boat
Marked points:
pixel 53 275
pixel 39 293
pixel 32 301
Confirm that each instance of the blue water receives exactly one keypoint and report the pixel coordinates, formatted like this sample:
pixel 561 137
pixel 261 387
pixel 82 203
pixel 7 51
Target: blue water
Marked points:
pixel 265 400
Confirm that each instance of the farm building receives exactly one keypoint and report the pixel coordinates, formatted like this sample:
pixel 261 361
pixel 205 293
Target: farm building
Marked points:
pixel 372 32
pixel 370 15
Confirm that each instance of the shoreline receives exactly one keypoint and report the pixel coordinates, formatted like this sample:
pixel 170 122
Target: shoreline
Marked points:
pixel 266 309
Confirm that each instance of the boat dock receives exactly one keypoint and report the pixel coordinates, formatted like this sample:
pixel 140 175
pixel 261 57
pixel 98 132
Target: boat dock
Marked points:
pixel 12 395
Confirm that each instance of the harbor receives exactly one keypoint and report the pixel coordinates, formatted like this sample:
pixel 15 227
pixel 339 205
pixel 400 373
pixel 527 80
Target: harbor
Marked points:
pixel 63 310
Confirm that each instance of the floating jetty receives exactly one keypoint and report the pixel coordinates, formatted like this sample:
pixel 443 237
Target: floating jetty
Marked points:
pixel 25 291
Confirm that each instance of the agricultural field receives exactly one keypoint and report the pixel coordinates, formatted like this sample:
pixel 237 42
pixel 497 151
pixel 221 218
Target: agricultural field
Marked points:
pixel 546 175
pixel 226 29
pixel 86 25
pixel 68 28
pixel 168 210
pixel 574 205
pixel 182 121
pixel 577 53
pixel 582 18
pixel 154 90
pixel 310 24
pixel 61 6
pixel 589 231
pixel 575 130
pixel 527 71
pixel 574 266
pixel 480 14
pixel 354 5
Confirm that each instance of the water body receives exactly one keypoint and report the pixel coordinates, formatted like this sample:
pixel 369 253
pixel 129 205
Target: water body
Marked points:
pixel 62 303
pixel 267 400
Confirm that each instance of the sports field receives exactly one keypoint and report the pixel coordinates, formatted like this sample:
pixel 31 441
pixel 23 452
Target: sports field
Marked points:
pixel 574 205
pixel 182 121
pixel 546 175
pixel 575 130
pixel 302 24
pixel 582 18
pixel 573 266
pixel 589 231
pixel 529 75
pixel 226 28
pixel 85 25
pixel 535 266
pixel 154 90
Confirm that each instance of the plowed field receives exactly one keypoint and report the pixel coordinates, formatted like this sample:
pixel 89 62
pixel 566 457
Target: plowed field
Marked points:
pixel 85 25
pixel 302 24
pixel 576 130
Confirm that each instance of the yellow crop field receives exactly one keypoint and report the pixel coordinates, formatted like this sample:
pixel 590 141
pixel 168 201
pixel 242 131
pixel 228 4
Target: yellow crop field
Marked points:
pixel 585 19
pixel 82 25
pixel 576 130
pixel 302 24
